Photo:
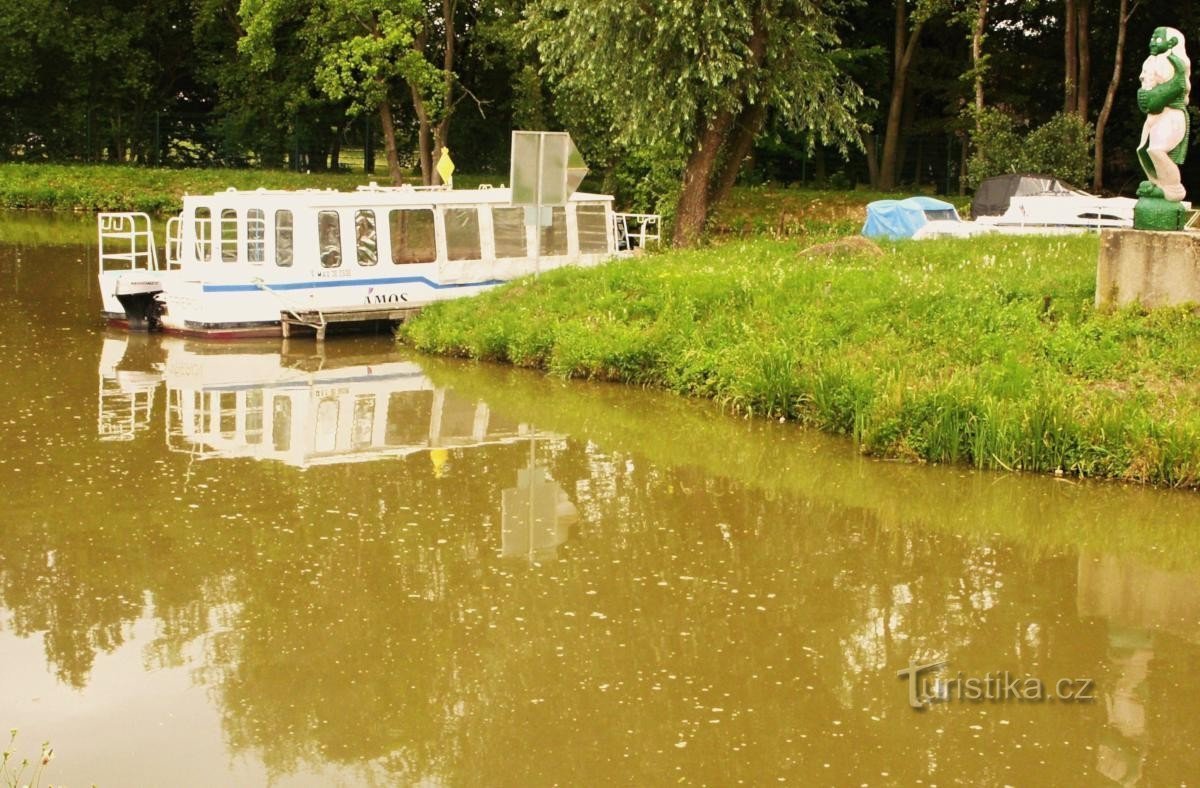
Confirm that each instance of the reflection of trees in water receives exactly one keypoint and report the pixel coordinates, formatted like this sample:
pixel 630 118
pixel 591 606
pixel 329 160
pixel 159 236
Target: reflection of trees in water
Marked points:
pixel 400 637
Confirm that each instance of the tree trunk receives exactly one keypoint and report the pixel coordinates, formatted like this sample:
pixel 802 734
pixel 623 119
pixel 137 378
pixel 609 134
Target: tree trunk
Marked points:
pixel 335 148
pixel 389 140
pixel 977 35
pixel 906 47
pixel 692 211
pixel 872 162
pixel 740 149
pixel 1083 47
pixel 442 136
pixel 1110 95
pixel 424 137
pixel 1070 56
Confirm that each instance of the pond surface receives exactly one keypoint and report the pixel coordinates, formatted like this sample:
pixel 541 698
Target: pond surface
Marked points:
pixel 250 563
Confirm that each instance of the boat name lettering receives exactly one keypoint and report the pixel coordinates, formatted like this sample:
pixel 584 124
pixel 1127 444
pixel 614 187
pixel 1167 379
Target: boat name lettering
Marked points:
pixel 386 298
pixel 330 392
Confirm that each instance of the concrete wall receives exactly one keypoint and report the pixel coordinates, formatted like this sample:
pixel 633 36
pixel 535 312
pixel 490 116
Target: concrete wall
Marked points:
pixel 1151 268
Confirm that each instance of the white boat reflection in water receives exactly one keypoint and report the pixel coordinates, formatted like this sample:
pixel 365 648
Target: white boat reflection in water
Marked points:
pixel 253 401
pixel 304 411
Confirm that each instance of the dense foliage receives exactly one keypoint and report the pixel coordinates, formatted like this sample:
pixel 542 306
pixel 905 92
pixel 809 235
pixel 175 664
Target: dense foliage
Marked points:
pixel 1061 147
pixel 838 93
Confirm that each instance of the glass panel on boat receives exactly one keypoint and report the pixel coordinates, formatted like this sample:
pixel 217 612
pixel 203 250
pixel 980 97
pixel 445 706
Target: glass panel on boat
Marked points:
pixel 509 226
pixel 458 418
pixel 326 427
pixel 554 236
pixel 362 427
pixel 408 418
pixel 329 231
pixel 412 236
pixel 462 234
pixel 227 409
pixel 281 423
pixel 364 231
pixel 203 225
pixel 254 417
pixel 256 235
pixel 229 235
pixel 283 238
pixel 592 220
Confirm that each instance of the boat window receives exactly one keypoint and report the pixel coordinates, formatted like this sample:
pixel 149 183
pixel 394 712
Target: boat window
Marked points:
pixel 281 423
pixel 229 228
pixel 509 224
pixel 203 235
pixel 254 417
pixel 283 238
pixel 227 408
pixel 362 426
pixel 412 236
pixel 554 236
pixel 364 231
pixel 458 418
pixel 462 234
pixel 329 230
pixel 592 220
pixel 256 235
pixel 326 426
pixel 408 416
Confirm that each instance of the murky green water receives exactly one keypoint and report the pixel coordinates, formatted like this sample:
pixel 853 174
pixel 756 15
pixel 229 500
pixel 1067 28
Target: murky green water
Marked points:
pixel 243 563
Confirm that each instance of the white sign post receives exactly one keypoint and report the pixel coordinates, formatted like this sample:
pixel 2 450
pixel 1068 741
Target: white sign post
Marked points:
pixel 545 171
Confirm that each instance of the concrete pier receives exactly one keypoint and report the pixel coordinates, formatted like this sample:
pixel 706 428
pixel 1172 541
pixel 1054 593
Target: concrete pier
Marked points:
pixel 1150 268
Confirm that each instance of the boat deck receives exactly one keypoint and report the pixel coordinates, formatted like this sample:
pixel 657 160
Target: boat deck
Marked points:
pixel 320 319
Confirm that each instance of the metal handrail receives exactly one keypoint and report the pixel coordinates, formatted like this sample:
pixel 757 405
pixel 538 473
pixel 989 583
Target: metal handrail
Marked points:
pixel 291 308
pixel 174 243
pixel 644 221
pixel 130 228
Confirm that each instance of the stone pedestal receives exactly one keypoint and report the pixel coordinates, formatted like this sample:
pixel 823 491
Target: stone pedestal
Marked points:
pixel 1150 268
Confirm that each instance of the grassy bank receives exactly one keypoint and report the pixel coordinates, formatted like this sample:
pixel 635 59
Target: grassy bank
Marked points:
pixel 79 187
pixel 985 351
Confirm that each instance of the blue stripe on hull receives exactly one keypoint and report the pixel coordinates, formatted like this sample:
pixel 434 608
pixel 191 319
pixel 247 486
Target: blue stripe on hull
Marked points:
pixel 348 282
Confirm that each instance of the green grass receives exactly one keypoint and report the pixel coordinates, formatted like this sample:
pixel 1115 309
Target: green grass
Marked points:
pixel 776 212
pixel 81 187
pixel 985 351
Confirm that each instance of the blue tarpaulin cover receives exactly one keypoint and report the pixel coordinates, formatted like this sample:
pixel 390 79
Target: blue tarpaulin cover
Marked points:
pixel 901 218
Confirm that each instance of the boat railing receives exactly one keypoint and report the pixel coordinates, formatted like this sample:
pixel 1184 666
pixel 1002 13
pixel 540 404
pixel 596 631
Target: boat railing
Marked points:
pixel 634 230
pixel 126 242
pixel 404 187
pixel 174 245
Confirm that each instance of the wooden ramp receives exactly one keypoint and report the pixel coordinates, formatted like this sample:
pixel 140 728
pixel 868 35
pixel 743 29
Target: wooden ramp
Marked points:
pixel 320 319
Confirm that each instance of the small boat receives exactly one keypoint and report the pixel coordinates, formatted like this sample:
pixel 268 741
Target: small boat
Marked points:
pixel 260 263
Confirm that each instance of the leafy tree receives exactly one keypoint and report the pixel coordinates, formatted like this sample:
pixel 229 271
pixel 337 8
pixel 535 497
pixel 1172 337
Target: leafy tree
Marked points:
pixel 358 46
pixel 1060 147
pixel 691 83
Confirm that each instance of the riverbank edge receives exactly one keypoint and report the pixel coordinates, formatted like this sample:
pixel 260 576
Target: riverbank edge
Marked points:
pixel 1030 410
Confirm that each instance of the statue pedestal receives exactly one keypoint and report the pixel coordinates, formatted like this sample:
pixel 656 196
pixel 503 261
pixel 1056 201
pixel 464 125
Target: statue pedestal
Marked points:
pixel 1155 213
pixel 1150 268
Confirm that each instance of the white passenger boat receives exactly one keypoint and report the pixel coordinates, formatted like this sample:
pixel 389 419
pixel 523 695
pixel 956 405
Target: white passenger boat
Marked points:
pixel 254 263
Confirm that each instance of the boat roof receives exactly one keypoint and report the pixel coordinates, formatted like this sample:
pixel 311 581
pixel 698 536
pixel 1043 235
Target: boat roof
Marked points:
pixel 371 195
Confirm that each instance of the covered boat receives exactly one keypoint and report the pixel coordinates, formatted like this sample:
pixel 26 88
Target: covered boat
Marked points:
pixel 898 219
